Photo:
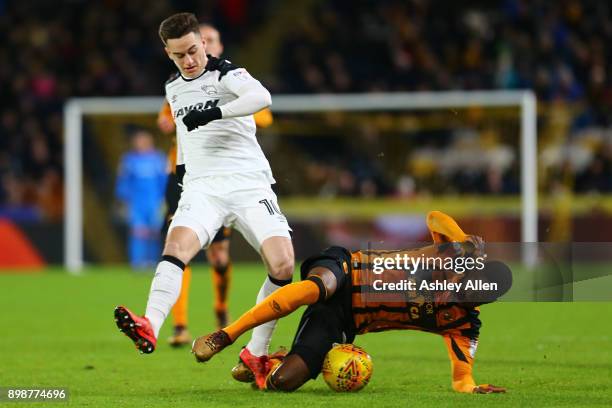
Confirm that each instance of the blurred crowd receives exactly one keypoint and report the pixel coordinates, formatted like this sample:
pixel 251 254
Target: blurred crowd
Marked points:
pixel 55 50
pixel 559 49
pixel 400 163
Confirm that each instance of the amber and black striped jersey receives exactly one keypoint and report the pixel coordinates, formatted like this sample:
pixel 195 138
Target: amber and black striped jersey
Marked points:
pixel 432 311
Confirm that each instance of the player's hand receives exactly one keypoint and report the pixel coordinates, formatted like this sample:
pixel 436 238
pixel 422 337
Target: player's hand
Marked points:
pixel 196 118
pixel 488 389
pixel 474 246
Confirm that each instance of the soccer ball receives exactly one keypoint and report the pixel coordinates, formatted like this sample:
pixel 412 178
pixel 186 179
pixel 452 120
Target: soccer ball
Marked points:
pixel 347 368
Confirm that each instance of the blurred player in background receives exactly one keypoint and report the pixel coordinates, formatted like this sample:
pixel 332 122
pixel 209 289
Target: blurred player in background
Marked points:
pixel 226 181
pixel 334 285
pixel 140 186
pixel 218 251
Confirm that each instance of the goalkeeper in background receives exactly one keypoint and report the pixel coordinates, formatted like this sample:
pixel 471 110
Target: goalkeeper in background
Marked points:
pixel 218 251
pixel 338 286
pixel 140 186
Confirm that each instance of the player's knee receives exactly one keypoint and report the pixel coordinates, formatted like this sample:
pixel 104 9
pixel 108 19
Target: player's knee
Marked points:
pixel 182 243
pixel 172 248
pixel 278 256
pixel 175 249
pixel 325 279
pixel 282 268
pixel 281 380
pixel 218 258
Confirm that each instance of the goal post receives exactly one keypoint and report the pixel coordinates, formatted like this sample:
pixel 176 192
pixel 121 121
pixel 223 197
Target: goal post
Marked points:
pixel 524 100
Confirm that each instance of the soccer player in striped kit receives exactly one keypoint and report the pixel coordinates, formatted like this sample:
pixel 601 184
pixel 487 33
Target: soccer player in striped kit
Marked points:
pixel 334 284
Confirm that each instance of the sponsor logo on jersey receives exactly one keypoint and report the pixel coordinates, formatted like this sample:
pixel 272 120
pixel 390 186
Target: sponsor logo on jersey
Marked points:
pixel 198 106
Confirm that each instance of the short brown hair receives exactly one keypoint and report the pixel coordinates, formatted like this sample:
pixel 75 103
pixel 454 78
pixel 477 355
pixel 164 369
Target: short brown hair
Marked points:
pixel 177 25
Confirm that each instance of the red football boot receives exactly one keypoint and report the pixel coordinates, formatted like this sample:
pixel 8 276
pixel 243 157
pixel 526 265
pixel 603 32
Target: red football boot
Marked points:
pixel 242 373
pixel 136 328
pixel 260 366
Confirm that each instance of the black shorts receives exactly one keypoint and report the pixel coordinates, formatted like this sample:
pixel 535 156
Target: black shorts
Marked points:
pixel 223 234
pixel 330 321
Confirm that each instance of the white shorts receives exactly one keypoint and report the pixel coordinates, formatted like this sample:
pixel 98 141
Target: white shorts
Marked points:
pixel 243 201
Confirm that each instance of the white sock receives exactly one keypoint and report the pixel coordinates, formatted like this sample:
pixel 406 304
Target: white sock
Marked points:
pixel 165 290
pixel 261 336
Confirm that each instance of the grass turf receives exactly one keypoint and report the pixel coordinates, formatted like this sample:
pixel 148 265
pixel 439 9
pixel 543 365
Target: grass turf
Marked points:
pixel 58 331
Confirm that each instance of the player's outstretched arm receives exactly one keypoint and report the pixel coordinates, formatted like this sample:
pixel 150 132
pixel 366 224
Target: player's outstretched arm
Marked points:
pixel 460 351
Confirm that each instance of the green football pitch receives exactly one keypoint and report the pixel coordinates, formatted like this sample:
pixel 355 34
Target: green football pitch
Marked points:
pixel 57 330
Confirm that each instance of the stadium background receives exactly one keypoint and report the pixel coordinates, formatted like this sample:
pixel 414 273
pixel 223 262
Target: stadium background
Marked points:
pixel 342 178
pixel 465 161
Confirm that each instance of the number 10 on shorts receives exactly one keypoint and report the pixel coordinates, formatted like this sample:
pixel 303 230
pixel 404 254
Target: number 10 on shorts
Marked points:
pixel 270 206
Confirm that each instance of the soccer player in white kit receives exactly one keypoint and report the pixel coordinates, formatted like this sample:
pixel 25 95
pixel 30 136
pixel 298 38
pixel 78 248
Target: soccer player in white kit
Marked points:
pixel 227 181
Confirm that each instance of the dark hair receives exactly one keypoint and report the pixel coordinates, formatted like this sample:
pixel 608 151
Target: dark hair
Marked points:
pixel 177 25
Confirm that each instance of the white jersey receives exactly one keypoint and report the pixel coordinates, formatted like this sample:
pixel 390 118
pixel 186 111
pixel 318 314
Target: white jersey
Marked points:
pixel 224 146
